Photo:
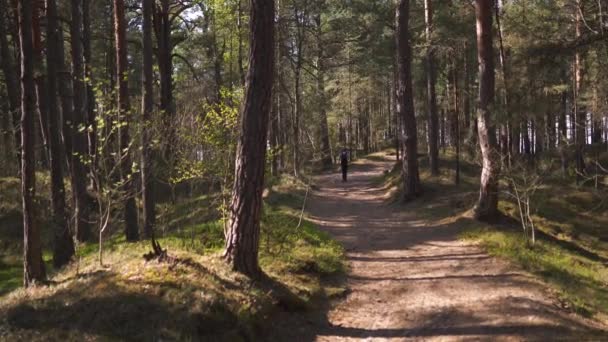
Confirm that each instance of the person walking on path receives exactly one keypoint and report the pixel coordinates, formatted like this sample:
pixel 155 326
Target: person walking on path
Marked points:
pixel 344 163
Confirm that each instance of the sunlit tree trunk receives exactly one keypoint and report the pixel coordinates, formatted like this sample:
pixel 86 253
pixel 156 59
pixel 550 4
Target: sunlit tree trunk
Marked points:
pixel 242 240
pixel 487 204
pixel 33 266
pixel 411 179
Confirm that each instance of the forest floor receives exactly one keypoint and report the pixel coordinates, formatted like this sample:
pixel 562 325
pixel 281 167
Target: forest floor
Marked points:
pixel 412 276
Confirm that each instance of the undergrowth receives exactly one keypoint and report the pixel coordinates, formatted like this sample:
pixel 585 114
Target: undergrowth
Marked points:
pixel 196 297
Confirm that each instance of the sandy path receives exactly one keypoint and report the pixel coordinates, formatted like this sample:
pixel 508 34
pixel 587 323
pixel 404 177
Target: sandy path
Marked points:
pixel 411 279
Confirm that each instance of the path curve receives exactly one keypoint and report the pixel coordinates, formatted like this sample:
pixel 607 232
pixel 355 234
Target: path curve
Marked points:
pixel 412 279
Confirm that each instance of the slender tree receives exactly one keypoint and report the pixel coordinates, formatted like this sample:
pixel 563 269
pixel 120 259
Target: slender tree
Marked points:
pixel 78 149
pixel 405 107
pixel 579 112
pixel 122 75
pixel 33 266
pixel 10 74
pixel 40 78
pixel 431 79
pixel 242 240
pixel 487 204
pixel 321 96
pixel 63 248
pixel 147 178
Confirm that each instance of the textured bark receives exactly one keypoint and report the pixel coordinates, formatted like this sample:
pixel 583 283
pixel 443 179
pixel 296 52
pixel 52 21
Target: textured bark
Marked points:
pixel 122 74
pixel 242 240
pixel 411 179
pixel 9 69
pixel 33 266
pixel 79 143
pixel 63 248
pixel 147 173
pixel 431 80
pixel 487 204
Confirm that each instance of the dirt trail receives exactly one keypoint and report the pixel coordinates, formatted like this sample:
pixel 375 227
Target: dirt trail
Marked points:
pixel 413 279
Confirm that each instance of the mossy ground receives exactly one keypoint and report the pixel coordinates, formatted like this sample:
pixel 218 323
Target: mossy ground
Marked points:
pixel 195 297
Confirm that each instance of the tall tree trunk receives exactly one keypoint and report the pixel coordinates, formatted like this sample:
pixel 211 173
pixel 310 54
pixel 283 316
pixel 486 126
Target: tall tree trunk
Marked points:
pixel 322 98
pixel 487 204
pixel 162 24
pixel 526 135
pixel 431 79
pixel 147 171
pixel 79 142
pixel 63 249
pixel 580 112
pixel 239 27
pixel 90 94
pixel 505 125
pixel 33 266
pixel 296 121
pixel 64 88
pixel 455 120
pixel 40 79
pixel 242 240
pixel 411 179
pixel 6 131
pixel 9 69
pixel 122 75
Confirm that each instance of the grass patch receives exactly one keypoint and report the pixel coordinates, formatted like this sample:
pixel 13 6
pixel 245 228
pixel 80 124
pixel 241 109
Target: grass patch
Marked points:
pixel 194 298
pixel 571 253
pixel 580 282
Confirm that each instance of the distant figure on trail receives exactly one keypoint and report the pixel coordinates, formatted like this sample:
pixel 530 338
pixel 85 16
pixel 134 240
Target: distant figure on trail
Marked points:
pixel 344 163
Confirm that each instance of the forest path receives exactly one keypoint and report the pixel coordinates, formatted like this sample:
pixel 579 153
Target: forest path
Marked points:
pixel 411 278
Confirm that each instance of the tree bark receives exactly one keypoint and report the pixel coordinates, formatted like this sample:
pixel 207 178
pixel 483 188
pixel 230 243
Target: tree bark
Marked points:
pixel 9 69
pixel 580 112
pixel 90 94
pixel 33 266
pixel 63 249
pixel 487 204
pixel 147 172
pixel 411 179
pixel 40 80
pixel 163 25
pixel 242 240
pixel 122 75
pixel 431 80
pixel 79 142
